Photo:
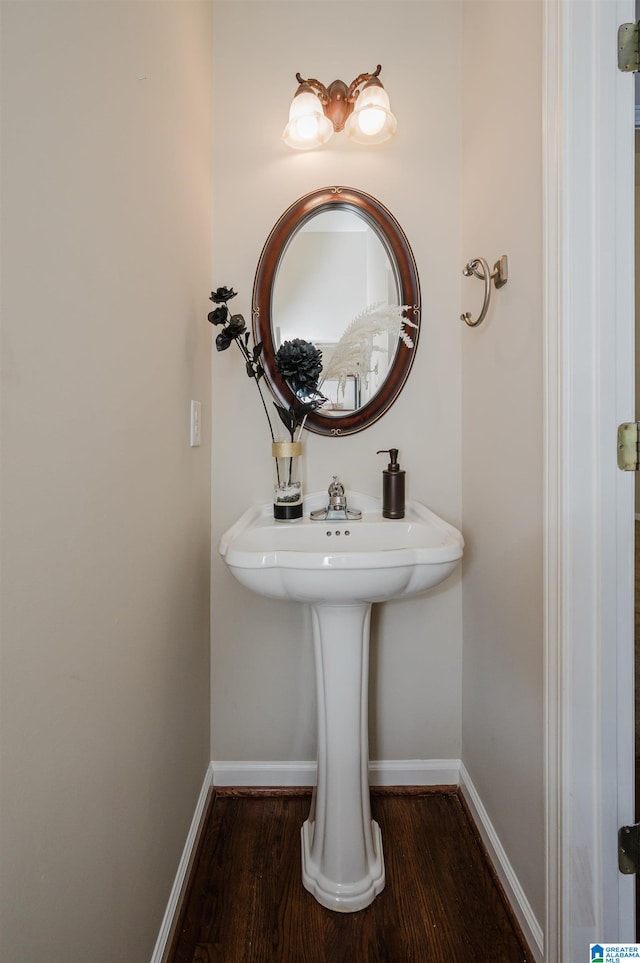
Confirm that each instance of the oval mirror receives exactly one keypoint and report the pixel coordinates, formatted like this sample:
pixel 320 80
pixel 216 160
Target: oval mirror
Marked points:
pixel 337 270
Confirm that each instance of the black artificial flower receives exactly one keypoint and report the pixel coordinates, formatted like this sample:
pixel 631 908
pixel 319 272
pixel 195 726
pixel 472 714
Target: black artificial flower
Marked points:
pixel 222 295
pixel 223 340
pixel 300 363
pixel 233 330
pixel 220 315
pixel 236 326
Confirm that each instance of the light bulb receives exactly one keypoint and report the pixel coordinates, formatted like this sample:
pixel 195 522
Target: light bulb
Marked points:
pixel 307 128
pixel 371 120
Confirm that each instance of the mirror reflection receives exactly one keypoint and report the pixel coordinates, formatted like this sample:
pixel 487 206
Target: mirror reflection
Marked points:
pixel 334 281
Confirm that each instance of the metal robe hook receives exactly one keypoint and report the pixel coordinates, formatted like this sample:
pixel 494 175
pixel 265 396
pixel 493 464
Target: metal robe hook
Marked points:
pixel 479 268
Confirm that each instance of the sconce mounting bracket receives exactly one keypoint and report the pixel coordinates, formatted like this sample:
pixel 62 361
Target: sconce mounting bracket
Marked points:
pixel 337 99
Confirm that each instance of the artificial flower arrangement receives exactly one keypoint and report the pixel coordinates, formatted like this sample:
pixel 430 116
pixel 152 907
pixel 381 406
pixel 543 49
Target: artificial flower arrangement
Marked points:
pixel 300 364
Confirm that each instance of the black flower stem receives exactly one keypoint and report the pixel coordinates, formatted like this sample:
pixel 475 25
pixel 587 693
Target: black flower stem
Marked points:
pixel 249 359
pixel 265 408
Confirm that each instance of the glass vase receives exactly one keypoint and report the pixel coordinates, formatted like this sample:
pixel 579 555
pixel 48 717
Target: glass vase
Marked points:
pixel 287 492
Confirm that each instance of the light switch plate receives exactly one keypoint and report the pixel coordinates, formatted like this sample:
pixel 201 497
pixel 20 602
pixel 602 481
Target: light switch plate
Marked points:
pixel 196 415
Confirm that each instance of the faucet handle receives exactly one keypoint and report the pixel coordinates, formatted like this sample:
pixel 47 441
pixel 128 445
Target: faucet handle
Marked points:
pixel 336 494
pixel 336 487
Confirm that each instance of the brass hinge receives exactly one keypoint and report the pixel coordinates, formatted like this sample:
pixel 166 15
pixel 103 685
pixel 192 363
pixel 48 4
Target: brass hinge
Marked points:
pixel 629 446
pixel 628 48
pixel 629 849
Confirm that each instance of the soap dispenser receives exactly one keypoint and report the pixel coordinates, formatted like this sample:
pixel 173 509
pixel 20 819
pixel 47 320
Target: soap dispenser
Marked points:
pixel 392 486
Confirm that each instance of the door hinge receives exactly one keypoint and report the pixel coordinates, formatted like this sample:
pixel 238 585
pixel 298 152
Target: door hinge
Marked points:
pixel 628 48
pixel 629 446
pixel 629 849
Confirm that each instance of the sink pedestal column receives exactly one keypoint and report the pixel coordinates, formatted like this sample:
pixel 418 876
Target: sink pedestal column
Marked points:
pixel 342 861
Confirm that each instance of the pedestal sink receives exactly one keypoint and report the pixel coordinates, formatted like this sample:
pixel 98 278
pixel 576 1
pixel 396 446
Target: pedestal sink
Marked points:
pixel 340 568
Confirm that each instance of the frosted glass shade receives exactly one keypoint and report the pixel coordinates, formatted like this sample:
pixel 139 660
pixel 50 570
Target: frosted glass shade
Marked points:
pixel 308 127
pixel 372 121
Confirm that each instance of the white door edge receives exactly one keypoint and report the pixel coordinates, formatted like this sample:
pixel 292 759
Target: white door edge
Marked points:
pixel 589 378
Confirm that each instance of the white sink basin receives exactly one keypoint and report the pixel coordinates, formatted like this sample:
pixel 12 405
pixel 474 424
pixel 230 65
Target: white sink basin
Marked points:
pixel 371 559
pixel 341 568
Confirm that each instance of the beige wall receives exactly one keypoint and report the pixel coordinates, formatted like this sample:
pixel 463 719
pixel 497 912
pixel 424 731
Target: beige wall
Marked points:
pixel 502 724
pixel 106 172
pixel 262 681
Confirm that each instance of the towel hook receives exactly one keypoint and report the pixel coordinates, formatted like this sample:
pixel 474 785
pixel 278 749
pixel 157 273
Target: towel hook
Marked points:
pixel 479 268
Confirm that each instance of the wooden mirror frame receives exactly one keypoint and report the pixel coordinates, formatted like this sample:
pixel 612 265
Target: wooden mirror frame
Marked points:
pixel 394 240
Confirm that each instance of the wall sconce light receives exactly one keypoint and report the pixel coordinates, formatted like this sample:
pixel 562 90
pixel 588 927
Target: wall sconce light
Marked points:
pixel 317 111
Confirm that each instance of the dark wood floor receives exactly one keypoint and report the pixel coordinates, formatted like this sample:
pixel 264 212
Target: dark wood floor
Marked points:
pixel 246 903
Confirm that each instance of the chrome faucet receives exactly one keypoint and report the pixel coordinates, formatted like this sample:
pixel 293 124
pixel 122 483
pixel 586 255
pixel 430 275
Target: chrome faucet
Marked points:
pixel 337 507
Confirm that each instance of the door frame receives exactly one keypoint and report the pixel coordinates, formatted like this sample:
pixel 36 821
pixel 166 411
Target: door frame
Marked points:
pixel 589 388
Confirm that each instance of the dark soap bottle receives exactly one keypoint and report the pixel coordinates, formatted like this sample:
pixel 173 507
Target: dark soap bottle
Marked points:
pixel 392 486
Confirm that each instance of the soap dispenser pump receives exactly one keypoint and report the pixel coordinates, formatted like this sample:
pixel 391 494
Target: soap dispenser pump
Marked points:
pixel 392 486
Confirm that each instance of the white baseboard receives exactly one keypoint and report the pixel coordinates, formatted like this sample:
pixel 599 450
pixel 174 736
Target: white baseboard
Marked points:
pixel 230 773
pixel 382 772
pixel 515 894
pixel 414 772
pixel 178 883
